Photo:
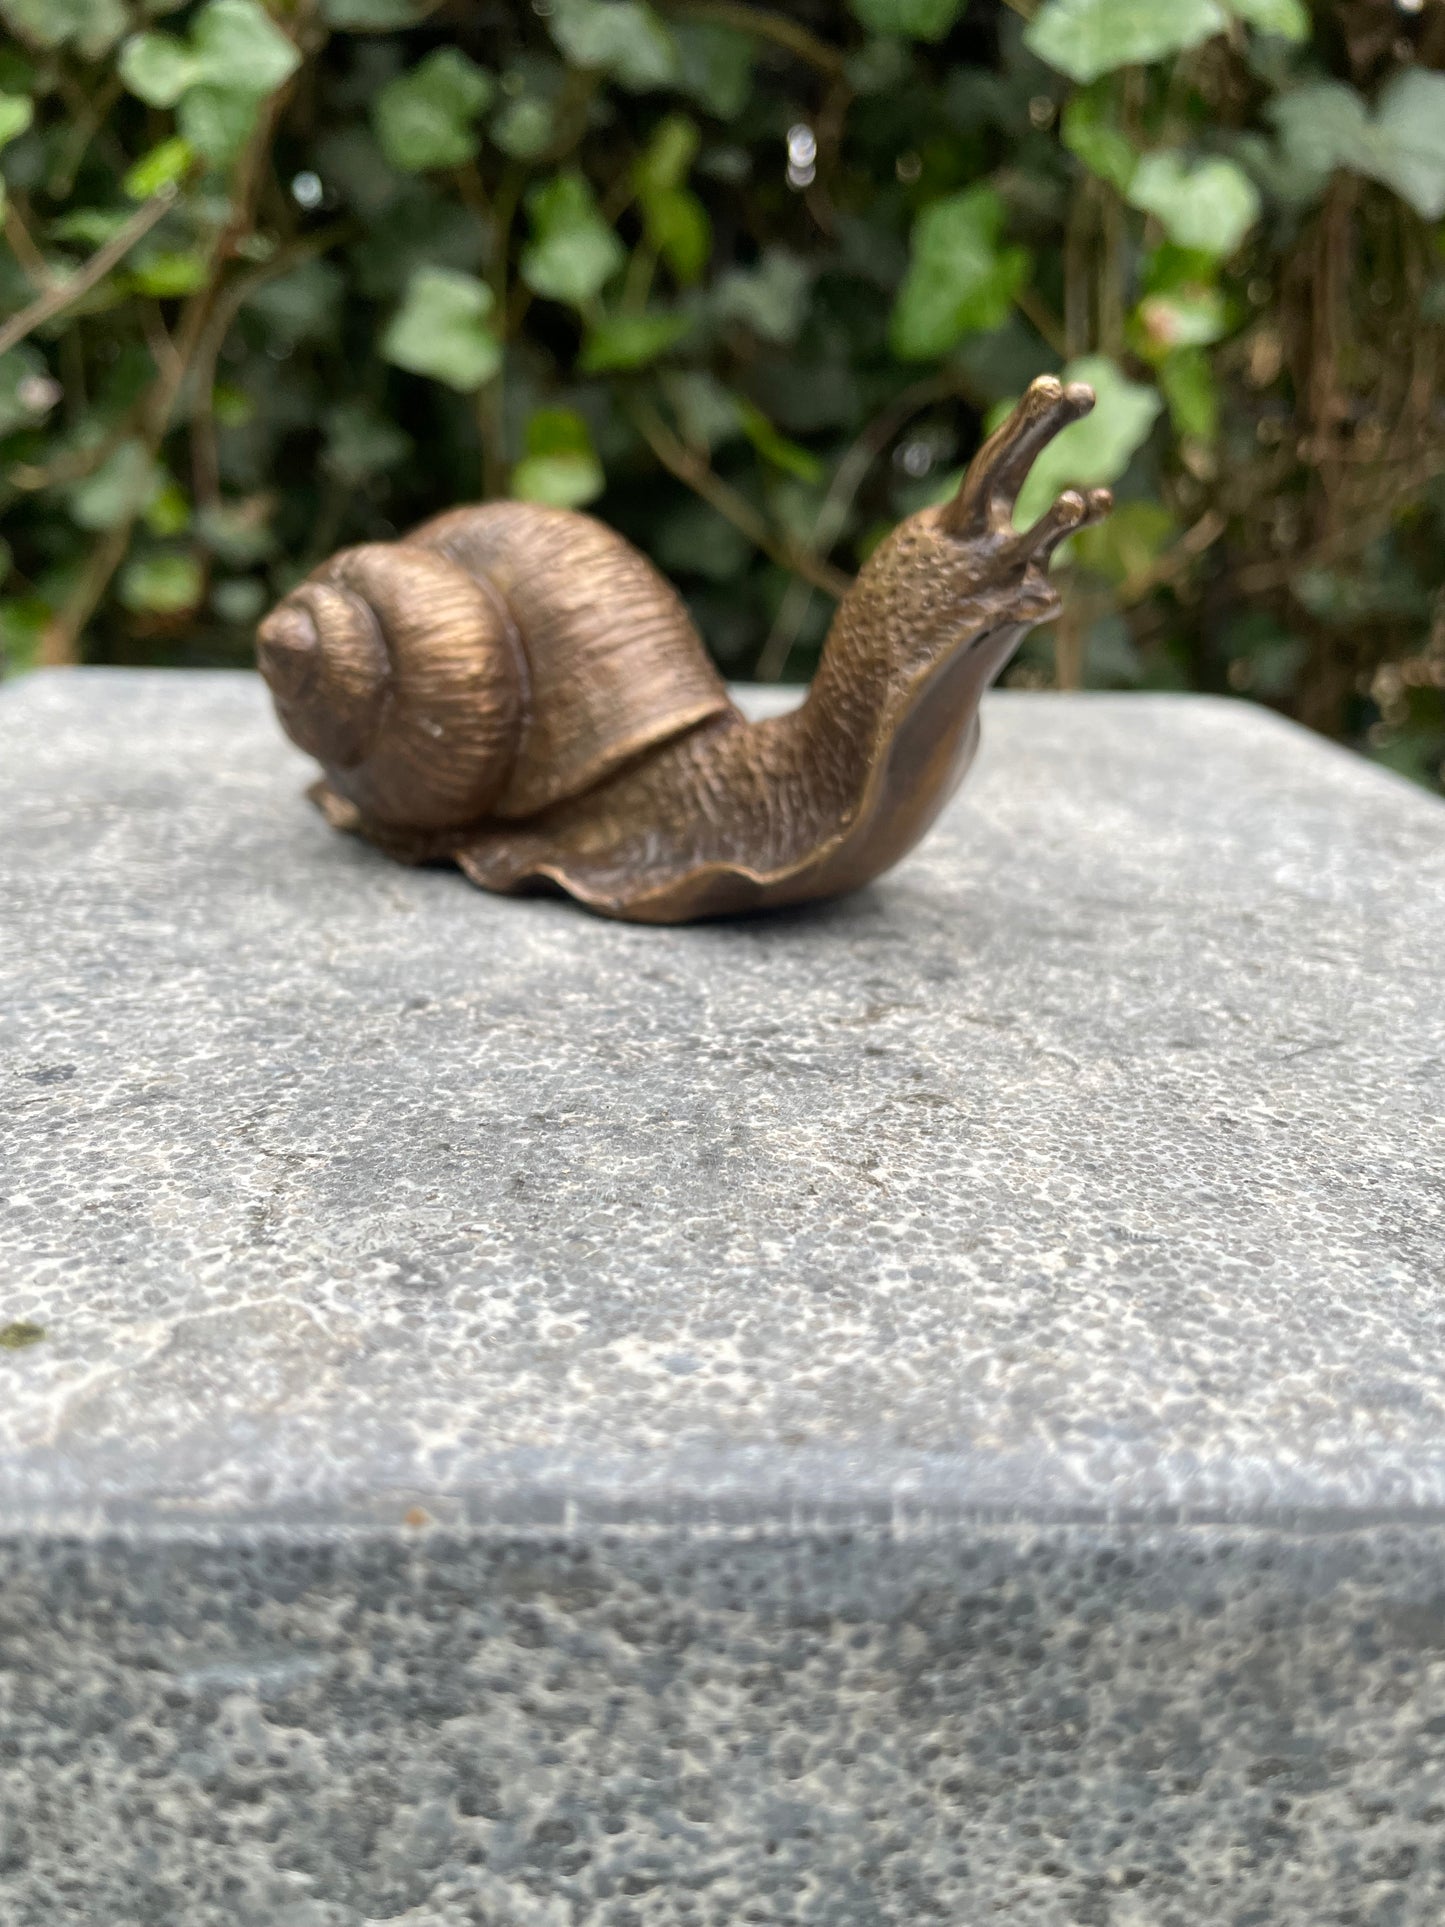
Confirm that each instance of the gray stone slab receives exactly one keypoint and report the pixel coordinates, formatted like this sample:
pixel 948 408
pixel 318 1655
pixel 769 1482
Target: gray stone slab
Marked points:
pixel 930 1407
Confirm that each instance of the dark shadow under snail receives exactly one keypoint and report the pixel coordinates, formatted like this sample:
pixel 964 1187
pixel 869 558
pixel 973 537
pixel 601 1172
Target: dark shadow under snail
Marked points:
pixel 516 689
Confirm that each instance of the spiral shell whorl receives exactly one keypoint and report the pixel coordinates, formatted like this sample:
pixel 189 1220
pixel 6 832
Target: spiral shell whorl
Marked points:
pixel 396 669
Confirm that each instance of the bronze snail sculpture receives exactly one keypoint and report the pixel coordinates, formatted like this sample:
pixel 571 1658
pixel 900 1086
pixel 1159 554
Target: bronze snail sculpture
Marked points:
pixel 517 690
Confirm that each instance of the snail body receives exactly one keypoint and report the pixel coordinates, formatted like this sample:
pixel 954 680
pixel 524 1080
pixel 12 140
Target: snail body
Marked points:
pixel 517 690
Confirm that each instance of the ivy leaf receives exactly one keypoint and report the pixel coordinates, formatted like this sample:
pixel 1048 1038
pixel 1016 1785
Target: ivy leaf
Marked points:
pixel 1086 38
pixel 677 226
pixel 623 37
pixel 16 114
pixel 124 485
pixel 92 26
pixel 715 66
pixel 1208 205
pixel 239 532
pixel 164 166
pixel 573 252
pixel 361 443
pixel 232 406
pixel 878 67
pixel 157 68
pixel 22 371
pixel 1186 314
pixel 707 412
pixel 1096 451
pixel 630 341
pixel 561 466
pixel 441 330
pixel 240 48
pixel 239 599
pixel 1090 133
pixel 1192 394
pixel 1288 18
pixel 771 298
pixel 668 155
pixel 424 118
pixel 1402 145
pixel 960 281
pixel 674 219
pixel 1126 543
pixel 369 16
pixel 1410 130
pixel 561 481
pixel 523 128
pixel 170 512
pixel 236 57
pixel 162 584
pixel 217 121
pixel 1323 127
pixel 789 456
pixel 92 226
pixel 300 306
pixel 169 273
pixel 909 19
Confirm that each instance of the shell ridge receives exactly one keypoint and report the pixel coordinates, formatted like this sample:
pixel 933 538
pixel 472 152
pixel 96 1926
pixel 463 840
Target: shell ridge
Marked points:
pixel 516 648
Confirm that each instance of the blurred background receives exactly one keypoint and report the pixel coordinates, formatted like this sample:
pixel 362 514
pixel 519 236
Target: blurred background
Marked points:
pixel 750 282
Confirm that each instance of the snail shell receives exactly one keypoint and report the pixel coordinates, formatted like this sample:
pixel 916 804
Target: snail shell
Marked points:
pixel 499 660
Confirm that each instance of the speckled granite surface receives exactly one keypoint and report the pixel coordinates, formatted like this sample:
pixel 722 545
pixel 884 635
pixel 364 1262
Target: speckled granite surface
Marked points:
pixel 928 1408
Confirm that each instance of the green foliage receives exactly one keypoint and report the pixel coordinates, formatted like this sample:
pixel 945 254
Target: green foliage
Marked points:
pixel 573 252
pixel 16 114
pixel 161 582
pixel 1206 205
pixel 961 278
pixel 234 48
pixel 425 118
pixel 674 219
pixel 1090 132
pixel 166 165
pixel 621 37
pixel 753 282
pixel 90 26
pixel 629 341
pixel 769 300
pixel 917 19
pixel 121 488
pixel 1288 18
pixel 442 330
pixel 1086 38
pixel 1401 143
pixel 216 78
pixel 560 465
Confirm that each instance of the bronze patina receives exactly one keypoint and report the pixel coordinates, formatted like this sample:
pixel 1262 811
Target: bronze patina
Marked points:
pixel 517 690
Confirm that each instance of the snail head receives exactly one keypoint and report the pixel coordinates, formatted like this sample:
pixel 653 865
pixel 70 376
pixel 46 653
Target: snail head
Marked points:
pixel 961 572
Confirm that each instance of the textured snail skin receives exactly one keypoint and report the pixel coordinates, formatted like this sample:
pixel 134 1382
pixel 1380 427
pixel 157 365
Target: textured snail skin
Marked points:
pixel 517 690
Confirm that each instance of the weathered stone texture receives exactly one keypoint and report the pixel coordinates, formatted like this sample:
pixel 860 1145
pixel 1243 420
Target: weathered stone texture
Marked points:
pixel 932 1407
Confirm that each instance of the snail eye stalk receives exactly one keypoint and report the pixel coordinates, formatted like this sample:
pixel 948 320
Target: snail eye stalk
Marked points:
pixel 987 496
